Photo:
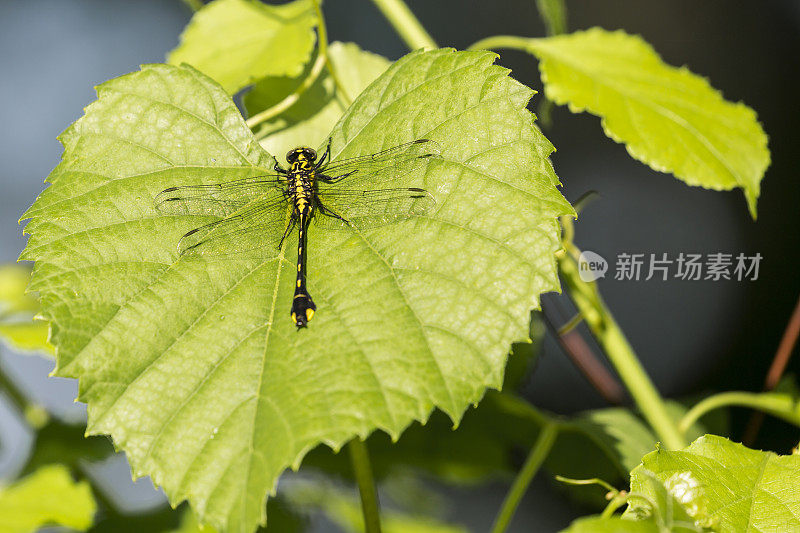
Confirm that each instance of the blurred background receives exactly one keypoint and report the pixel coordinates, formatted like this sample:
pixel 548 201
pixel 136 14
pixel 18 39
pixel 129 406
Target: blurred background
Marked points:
pixel 692 336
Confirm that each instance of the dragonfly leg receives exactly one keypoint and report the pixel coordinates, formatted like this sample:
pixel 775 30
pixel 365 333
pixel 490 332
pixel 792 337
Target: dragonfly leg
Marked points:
pixel 278 168
pixel 329 179
pixel 289 228
pixel 325 155
pixel 329 213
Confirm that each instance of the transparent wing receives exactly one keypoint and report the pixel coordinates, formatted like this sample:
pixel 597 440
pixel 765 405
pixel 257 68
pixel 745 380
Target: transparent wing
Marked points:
pixel 399 159
pixel 376 189
pixel 219 199
pixel 372 207
pixel 260 225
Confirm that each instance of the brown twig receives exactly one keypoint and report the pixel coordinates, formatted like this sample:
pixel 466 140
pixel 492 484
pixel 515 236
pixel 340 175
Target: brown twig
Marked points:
pixel 776 370
pixel 584 359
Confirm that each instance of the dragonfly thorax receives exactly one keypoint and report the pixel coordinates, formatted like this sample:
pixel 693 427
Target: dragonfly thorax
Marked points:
pixel 301 189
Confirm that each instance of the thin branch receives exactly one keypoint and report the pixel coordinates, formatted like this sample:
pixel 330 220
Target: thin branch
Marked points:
pixel 776 370
pixel 784 352
pixel 584 359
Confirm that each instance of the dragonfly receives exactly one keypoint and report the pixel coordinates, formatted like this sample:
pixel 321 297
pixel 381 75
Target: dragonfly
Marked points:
pixel 262 211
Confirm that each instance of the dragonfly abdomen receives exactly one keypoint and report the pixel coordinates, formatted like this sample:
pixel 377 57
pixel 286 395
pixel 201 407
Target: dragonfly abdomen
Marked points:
pixel 303 306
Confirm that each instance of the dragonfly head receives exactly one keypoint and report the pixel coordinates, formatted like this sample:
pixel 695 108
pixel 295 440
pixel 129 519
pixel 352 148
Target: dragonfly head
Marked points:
pixel 301 154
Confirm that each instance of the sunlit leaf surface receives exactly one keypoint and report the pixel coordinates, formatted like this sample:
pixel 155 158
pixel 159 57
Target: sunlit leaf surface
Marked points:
pixel 192 363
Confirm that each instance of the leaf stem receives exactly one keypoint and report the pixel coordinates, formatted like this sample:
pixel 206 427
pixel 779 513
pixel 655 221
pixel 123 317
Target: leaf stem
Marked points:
pixel 405 24
pixel 16 395
pixel 768 403
pixel 194 5
pixel 608 333
pixel 541 448
pixel 359 457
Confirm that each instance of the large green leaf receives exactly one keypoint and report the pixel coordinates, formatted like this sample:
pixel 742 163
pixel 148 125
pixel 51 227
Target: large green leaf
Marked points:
pixel 723 485
pixel 317 110
pixel 237 42
pixel 193 365
pixel 668 118
pixel 48 496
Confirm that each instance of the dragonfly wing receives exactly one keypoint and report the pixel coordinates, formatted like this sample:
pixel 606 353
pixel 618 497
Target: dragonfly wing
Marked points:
pixel 260 225
pixel 378 170
pixel 218 199
pixel 376 189
pixel 370 208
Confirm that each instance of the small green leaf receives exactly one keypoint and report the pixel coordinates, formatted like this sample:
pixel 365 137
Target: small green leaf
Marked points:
pixel 668 118
pixel 65 443
pixel 29 335
pixel 193 365
pixel 723 485
pixel 676 505
pixel 608 443
pixel 14 281
pixel 49 496
pixel 314 114
pixel 18 327
pixel 237 42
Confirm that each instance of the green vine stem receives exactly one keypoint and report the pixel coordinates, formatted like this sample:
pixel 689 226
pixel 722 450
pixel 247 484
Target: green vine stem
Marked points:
pixel 541 448
pixel 772 404
pixel 321 62
pixel 362 470
pixel 405 24
pixel 608 333
pixel 512 42
pixel 290 100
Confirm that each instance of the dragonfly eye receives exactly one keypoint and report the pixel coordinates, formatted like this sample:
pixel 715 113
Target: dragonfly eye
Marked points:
pixel 307 153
